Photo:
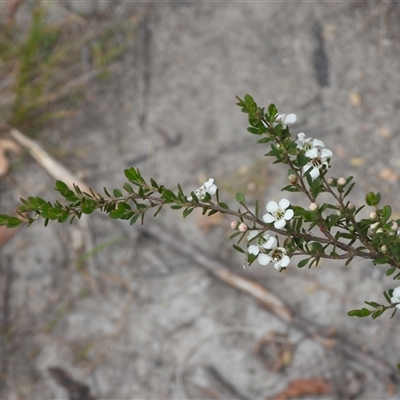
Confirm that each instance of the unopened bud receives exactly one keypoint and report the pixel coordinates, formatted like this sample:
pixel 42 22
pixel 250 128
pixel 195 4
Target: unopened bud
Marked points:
pixel 332 182
pixel 373 215
pixel 293 179
pixel 351 207
pixel 234 224
pixel 341 182
pixel 243 227
pixel 384 249
pixel 394 226
pixel 313 207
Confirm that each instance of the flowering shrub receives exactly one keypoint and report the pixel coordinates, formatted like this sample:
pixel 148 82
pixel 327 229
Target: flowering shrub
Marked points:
pixel 323 230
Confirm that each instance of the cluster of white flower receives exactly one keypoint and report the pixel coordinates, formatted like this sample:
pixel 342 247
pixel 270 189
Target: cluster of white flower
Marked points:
pixel 265 246
pixel 315 150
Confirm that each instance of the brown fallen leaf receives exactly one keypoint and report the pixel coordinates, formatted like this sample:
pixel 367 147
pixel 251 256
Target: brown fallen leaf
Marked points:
pixel 305 387
pixel 5 146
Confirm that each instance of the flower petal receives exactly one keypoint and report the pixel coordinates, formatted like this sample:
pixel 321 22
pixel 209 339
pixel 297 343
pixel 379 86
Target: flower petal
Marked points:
pixel 264 259
pixel 284 204
pixel 326 153
pixel 212 189
pixel 317 142
pixel 253 249
pixel 396 292
pixel 290 119
pixel 285 261
pixel 270 243
pixel 288 214
pixel 268 218
pixel 314 173
pixel 272 206
pixel 312 153
pixel 252 235
pixel 280 223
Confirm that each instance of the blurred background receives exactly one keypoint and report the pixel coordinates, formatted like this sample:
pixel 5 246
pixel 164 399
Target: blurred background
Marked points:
pixel 101 310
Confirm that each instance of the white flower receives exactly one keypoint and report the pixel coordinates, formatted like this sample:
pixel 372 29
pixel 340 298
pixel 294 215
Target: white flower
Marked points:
pixel 278 213
pixel 264 241
pixel 318 160
pixel 207 187
pixel 280 258
pixel 304 143
pixel 284 119
pixel 396 297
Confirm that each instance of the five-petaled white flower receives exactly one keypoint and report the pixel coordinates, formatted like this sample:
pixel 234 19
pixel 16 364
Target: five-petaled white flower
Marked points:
pixel 318 160
pixel 264 241
pixel 207 187
pixel 305 144
pixel 277 255
pixel 278 213
pixel 280 258
pixel 396 297
pixel 284 119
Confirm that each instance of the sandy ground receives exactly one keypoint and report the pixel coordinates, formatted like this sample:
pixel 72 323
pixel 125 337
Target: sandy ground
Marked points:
pixel 136 319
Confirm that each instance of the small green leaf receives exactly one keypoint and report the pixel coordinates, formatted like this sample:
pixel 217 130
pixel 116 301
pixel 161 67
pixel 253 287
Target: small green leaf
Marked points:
pixel 237 233
pixel 373 304
pixel 106 192
pixel 154 183
pixel 88 206
pixel 390 271
pixel 377 313
pixel 13 222
pixel 61 186
pixel 248 99
pixel 117 193
pixel 303 263
pixel 365 312
pixel 238 248
pixel 354 313
pixel 128 187
pixel 134 219
pixel 240 198
pixel 387 297
pixel 386 212
pixel 187 211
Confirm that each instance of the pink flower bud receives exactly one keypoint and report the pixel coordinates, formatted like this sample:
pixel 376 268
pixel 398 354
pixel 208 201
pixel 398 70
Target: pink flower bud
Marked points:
pixel 234 224
pixel 243 227
pixel 341 181
pixel 313 207
pixel 373 215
